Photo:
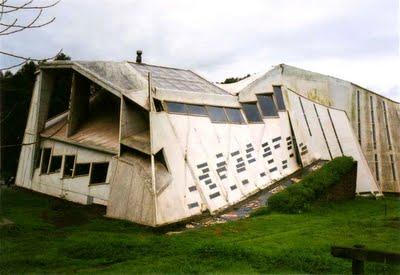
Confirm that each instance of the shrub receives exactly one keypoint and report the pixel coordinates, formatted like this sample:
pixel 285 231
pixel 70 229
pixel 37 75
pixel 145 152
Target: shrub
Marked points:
pixel 298 197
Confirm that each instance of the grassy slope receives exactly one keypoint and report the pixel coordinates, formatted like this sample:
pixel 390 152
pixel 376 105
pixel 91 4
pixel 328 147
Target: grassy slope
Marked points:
pixel 53 236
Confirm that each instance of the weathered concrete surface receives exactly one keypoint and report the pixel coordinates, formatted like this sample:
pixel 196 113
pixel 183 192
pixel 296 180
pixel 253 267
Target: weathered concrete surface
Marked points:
pixel 356 101
pixel 199 165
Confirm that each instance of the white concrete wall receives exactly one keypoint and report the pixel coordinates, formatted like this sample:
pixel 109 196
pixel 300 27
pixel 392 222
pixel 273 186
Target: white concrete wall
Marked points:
pixel 76 189
pixel 216 165
pixel 320 145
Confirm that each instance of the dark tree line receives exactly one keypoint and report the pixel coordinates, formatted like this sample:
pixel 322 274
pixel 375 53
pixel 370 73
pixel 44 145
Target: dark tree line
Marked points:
pixel 234 79
pixel 15 97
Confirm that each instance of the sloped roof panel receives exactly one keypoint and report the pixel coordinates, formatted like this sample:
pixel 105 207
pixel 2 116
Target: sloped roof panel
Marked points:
pixel 177 79
pixel 117 73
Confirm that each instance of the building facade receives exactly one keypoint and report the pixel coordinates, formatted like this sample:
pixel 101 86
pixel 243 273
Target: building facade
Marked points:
pixel 159 145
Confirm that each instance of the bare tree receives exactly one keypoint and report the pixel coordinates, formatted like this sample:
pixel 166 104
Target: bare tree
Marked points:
pixel 13 26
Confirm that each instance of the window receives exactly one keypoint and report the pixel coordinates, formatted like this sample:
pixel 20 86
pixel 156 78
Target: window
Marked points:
pixel 234 115
pixel 158 105
pixel 197 110
pixel 99 172
pixel 69 166
pixel 279 98
pixel 267 105
pixel 82 169
pixel 251 112
pixel 217 114
pixel 175 107
pixel 55 164
pixel 38 157
pixel 46 152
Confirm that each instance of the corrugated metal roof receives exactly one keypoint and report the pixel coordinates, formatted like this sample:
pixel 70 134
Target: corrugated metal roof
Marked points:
pixel 177 79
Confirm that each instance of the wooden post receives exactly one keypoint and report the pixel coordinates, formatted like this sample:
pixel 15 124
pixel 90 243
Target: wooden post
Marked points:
pixel 359 254
pixel 358 259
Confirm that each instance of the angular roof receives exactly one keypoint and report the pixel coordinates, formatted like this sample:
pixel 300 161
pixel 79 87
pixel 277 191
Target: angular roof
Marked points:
pixel 177 79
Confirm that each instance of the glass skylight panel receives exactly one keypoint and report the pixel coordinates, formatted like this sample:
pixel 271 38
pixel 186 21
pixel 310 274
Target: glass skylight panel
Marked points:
pixel 251 112
pixel 197 110
pixel 217 114
pixel 234 115
pixel 175 107
pixel 267 105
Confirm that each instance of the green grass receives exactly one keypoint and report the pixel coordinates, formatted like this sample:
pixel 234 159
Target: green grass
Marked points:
pixel 54 236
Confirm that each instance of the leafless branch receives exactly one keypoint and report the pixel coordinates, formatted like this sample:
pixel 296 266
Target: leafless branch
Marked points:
pixel 13 27
pixel 26 6
pixel 25 59
pixel 19 28
pixel 9 26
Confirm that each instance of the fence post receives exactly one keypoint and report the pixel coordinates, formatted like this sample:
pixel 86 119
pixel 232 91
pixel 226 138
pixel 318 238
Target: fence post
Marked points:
pixel 358 260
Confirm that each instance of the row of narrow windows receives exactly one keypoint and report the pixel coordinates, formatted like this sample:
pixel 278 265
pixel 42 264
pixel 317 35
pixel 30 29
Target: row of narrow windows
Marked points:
pixel 267 105
pixel 373 124
pixel 50 164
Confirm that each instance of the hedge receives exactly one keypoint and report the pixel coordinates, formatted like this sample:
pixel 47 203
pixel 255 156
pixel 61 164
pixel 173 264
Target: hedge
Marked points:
pixel 298 197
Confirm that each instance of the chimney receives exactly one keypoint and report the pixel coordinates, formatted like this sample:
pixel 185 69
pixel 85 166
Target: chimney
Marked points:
pixel 139 56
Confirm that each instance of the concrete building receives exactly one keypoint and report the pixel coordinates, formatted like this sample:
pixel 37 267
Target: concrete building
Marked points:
pixel 158 145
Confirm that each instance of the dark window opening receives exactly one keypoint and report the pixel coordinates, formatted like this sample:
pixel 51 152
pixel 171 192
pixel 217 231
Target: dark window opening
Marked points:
pixel 251 112
pixel 217 114
pixel 82 169
pixel 372 121
pixel 99 172
pixel 392 165
pixel 267 105
pixel 55 164
pixel 376 167
pixel 59 100
pixel 159 156
pixel 389 140
pixel 197 110
pixel 69 166
pixel 175 107
pixel 234 115
pixel 45 160
pixel 158 105
pixel 279 98
pixel 38 157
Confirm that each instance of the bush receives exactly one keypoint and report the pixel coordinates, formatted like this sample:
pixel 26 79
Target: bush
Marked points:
pixel 298 197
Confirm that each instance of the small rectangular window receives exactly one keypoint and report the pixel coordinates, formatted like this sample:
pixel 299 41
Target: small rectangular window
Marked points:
pixel 99 172
pixel 217 114
pixel 55 164
pixel 197 110
pixel 69 166
pixel 234 115
pixel 251 112
pixel 267 105
pixel 45 160
pixel 279 98
pixel 82 169
pixel 158 105
pixel 175 107
pixel 38 158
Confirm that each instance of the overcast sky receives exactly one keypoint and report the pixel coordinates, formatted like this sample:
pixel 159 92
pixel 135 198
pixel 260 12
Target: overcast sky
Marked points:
pixel 356 40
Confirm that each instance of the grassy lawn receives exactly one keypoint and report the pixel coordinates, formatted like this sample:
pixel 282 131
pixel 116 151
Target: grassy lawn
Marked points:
pixel 55 236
